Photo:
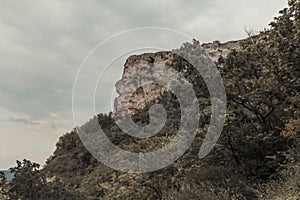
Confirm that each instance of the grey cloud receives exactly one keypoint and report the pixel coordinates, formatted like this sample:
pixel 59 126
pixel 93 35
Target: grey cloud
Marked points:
pixel 54 127
pixel 24 121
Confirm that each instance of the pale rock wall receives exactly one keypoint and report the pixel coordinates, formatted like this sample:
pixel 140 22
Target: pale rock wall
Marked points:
pixel 150 92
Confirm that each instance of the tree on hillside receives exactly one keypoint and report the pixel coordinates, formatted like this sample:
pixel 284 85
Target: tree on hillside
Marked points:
pixel 30 184
pixel 2 178
pixel 263 88
pixel 3 187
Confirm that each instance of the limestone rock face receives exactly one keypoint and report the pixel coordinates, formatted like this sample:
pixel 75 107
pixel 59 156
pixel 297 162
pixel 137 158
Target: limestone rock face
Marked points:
pixel 217 49
pixel 140 64
pixel 142 95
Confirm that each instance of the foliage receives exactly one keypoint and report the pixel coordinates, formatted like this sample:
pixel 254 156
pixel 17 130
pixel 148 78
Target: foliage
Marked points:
pixel 3 187
pixel 262 82
pixel 29 183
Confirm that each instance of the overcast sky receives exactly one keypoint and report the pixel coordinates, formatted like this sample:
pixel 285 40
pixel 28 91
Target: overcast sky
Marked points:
pixel 43 43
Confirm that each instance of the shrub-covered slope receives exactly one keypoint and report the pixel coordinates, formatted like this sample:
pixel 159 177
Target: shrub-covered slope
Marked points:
pixel 257 156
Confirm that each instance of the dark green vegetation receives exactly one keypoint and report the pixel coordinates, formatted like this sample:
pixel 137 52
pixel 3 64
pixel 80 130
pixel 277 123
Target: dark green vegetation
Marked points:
pixel 31 184
pixel 257 156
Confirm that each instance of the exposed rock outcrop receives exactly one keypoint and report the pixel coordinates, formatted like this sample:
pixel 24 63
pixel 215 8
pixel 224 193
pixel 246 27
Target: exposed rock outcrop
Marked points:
pixel 138 99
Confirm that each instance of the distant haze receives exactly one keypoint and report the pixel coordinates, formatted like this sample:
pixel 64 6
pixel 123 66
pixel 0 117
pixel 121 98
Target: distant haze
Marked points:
pixel 8 175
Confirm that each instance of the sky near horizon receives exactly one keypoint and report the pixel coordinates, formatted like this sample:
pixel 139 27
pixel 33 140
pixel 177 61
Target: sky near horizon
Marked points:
pixel 43 43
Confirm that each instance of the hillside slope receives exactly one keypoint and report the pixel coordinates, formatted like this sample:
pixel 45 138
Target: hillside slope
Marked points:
pixel 256 157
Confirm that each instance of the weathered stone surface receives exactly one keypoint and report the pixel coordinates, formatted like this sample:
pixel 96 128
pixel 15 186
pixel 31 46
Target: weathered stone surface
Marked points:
pixel 129 80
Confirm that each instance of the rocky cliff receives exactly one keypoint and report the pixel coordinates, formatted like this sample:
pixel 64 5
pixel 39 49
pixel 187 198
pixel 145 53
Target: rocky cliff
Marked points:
pixel 149 92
